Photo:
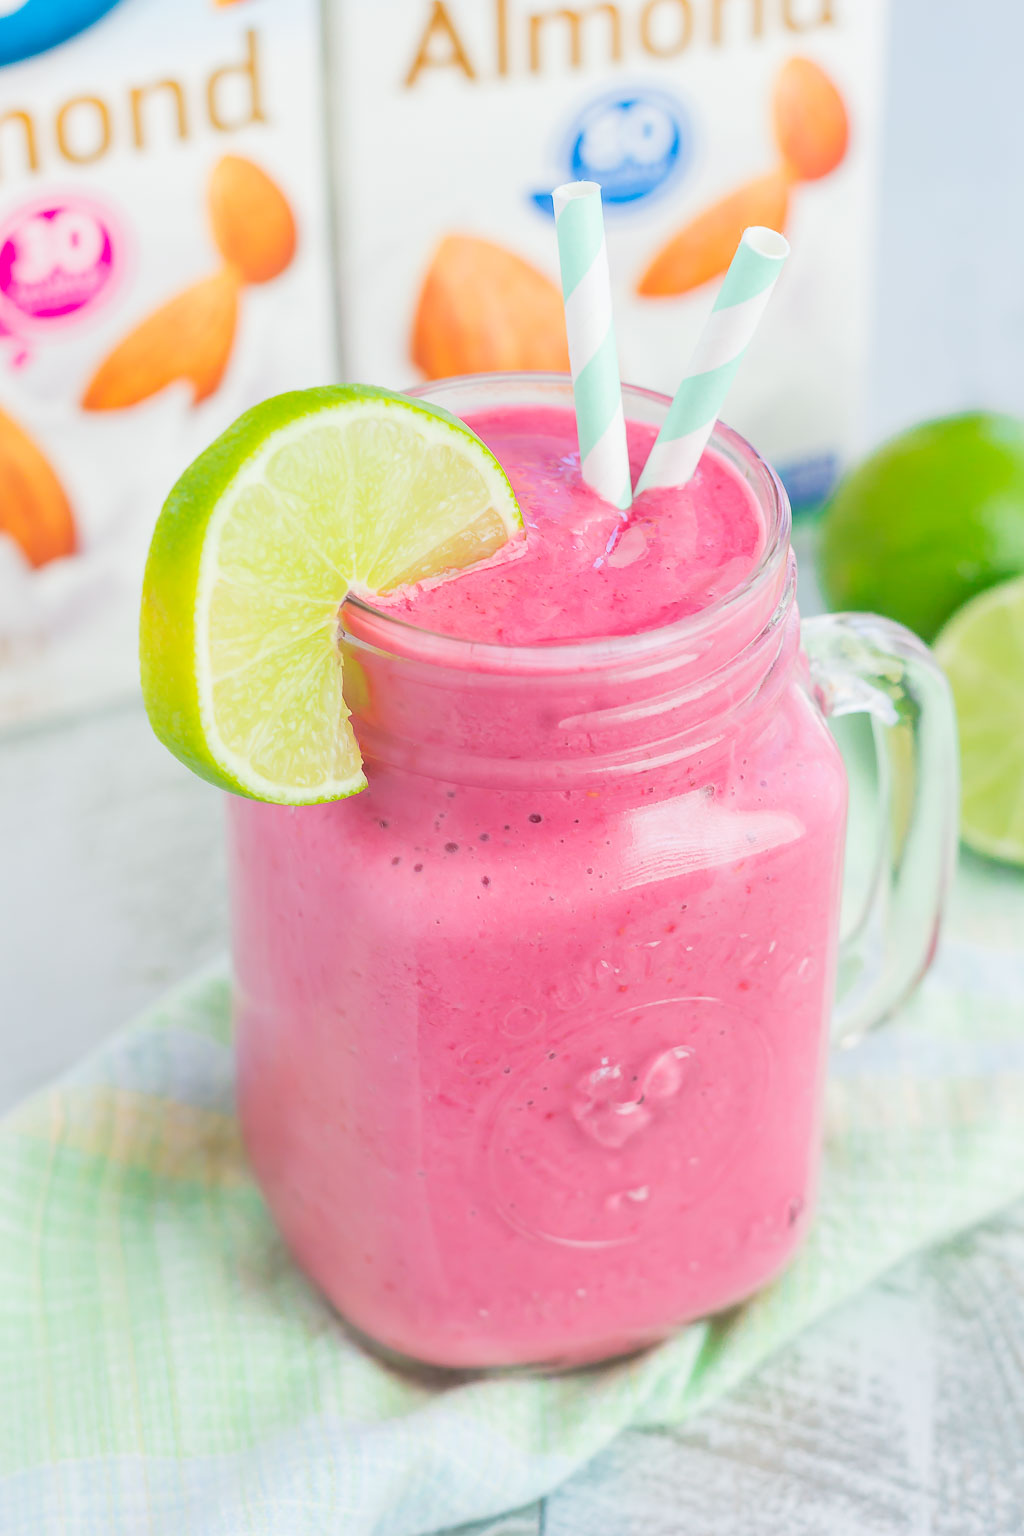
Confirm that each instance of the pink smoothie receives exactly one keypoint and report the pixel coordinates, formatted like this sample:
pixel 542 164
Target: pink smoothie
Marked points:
pixel 585 568
pixel 532 1032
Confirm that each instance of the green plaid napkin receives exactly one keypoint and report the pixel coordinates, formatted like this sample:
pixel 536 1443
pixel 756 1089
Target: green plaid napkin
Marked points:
pixel 165 1369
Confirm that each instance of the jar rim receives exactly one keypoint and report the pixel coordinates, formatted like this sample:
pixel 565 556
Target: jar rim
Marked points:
pixel 401 637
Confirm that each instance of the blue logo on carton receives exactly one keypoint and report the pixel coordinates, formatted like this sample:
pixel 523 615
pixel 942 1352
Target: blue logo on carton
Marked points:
pixel 28 27
pixel 634 143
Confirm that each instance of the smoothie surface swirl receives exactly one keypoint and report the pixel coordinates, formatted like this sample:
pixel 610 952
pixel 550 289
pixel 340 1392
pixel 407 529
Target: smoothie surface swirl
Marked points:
pixel 587 570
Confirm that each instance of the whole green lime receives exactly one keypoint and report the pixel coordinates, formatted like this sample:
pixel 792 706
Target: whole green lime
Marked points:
pixel 929 520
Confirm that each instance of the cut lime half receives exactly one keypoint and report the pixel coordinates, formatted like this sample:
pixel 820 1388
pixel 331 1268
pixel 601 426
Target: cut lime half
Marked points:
pixel 982 652
pixel 306 498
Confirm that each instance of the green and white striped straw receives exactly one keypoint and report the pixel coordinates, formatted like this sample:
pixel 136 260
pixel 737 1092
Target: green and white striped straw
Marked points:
pixel 597 390
pixel 742 300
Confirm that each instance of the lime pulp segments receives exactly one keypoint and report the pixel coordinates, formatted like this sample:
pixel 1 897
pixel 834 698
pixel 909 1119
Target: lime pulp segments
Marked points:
pixel 982 652
pixel 307 497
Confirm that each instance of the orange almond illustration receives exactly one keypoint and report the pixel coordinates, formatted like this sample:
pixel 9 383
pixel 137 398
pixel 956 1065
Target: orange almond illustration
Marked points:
pixel 34 511
pixel 704 248
pixel 483 309
pixel 252 219
pixel 811 125
pixel 188 338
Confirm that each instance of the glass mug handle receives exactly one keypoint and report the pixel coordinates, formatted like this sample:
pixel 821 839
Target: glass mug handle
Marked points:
pixel 862 664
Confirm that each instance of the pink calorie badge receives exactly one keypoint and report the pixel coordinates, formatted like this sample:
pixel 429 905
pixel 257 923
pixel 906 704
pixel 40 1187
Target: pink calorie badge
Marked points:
pixel 56 261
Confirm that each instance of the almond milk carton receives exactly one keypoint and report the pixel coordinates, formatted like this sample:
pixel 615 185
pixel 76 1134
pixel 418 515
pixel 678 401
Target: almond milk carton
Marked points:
pixel 452 120
pixel 163 265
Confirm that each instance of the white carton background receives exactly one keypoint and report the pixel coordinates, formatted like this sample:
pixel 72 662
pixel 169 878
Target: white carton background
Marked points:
pixel 407 166
pixel 453 154
pixel 68 631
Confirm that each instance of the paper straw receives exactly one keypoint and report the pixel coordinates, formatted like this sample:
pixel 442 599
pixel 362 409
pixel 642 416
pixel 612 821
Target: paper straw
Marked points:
pixel 597 390
pixel 742 300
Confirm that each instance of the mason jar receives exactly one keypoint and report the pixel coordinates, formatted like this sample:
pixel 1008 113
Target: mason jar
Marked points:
pixel 533 1032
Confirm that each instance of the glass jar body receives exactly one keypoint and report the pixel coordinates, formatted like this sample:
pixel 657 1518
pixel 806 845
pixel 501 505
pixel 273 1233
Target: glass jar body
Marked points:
pixel 532 1033
pixel 537 1076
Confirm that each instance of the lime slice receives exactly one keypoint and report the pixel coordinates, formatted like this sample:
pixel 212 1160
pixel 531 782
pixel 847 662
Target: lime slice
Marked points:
pixel 982 651
pixel 306 498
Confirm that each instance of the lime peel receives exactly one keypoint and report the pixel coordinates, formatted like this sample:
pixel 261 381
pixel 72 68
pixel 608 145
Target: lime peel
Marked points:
pixel 307 497
pixel 927 521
